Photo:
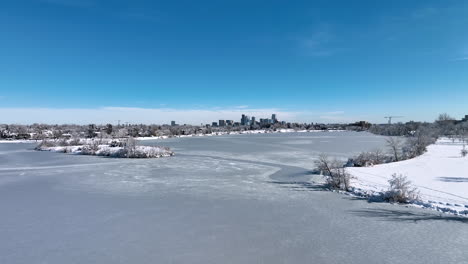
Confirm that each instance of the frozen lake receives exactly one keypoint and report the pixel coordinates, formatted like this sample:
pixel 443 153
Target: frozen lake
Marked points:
pixel 224 199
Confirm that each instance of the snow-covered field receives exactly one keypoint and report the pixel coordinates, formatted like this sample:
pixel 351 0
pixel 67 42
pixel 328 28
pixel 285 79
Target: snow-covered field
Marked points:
pixel 440 175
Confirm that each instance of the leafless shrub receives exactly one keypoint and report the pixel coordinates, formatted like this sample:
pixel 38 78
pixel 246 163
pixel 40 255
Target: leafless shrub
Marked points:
pixel 337 177
pixel 401 190
pixel 395 144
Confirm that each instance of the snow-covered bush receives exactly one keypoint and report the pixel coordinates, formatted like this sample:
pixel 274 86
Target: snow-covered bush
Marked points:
pixel 147 152
pixel 116 143
pixel 337 177
pixel 90 148
pixel 45 144
pixel 417 144
pixel 75 142
pixel 130 148
pixel 62 142
pixel 366 159
pixel 400 190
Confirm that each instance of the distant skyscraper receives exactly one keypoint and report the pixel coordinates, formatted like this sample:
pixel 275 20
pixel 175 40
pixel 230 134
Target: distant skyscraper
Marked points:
pixel 244 120
pixel 252 121
pixel 222 123
pixel 173 123
pixel 214 124
pixel 273 118
pixel 229 122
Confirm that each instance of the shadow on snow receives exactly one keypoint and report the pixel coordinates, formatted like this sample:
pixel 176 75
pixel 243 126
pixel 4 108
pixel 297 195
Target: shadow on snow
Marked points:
pixel 453 179
pixel 407 216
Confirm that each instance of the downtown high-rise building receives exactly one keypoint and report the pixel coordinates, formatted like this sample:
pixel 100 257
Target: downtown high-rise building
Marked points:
pixel 245 120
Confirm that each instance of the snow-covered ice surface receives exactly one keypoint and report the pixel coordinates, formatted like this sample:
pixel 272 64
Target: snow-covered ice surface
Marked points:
pixel 440 175
pixel 226 199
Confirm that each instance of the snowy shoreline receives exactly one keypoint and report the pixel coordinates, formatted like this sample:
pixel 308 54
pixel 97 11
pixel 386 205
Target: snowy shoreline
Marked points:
pixel 258 131
pixel 440 175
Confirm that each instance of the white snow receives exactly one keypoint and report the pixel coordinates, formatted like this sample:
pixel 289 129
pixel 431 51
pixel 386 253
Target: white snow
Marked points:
pixel 440 175
pixel 18 141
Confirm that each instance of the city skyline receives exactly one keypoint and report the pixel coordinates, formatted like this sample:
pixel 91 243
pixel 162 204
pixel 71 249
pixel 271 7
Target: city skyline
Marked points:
pixel 133 115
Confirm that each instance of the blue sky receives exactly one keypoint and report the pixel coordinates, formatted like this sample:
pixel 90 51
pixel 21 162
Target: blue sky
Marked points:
pixel 314 61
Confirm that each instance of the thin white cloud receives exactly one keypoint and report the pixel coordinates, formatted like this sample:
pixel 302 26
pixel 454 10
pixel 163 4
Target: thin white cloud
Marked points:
pixel 335 113
pixel 318 42
pixel 136 115
pixel 335 118
pixel 461 59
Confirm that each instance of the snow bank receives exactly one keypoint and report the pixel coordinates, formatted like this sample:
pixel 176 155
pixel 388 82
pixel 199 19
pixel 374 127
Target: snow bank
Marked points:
pixel 440 174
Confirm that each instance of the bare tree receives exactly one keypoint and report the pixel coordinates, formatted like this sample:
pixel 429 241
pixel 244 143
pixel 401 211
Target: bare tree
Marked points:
pixel 109 129
pixel 445 117
pixel 395 143
pixel 379 156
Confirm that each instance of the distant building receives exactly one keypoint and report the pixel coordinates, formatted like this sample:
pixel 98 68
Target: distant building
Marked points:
pixel 229 122
pixel 252 121
pixel 173 123
pixel 273 118
pixel 265 121
pixel 214 124
pixel 245 120
pixel 222 123
pixel 464 119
